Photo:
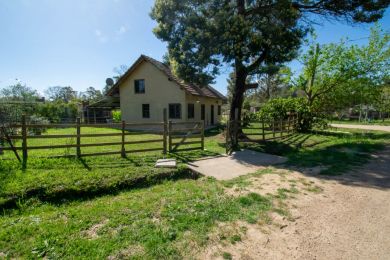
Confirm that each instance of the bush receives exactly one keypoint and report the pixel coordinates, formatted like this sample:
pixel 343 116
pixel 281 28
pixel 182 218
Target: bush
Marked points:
pixel 58 111
pixel 37 120
pixel 280 108
pixel 116 116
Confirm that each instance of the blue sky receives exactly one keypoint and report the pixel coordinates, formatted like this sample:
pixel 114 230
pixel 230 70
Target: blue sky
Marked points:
pixel 79 42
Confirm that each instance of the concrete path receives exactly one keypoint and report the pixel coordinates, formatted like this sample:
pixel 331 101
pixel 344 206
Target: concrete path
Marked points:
pixel 239 163
pixel 364 127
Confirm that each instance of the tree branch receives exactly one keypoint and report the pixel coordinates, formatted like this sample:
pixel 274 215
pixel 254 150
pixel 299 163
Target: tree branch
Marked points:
pixel 257 62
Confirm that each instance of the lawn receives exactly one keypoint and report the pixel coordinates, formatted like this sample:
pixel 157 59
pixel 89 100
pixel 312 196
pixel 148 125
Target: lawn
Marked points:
pixel 108 206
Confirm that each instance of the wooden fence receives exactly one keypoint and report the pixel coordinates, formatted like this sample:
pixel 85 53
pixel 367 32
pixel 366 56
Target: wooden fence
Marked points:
pixel 169 134
pixel 262 130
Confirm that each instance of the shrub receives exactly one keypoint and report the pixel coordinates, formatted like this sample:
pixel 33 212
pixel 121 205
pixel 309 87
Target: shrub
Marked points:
pixel 116 116
pixel 279 108
pixel 38 120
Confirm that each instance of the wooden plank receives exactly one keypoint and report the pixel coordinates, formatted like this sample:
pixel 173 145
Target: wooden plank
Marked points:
pixel 202 138
pixel 24 141
pixel 145 133
pixel 182 136
pixel 188 149
pixel 145 150
pixel 185 129
pixel 65 136
pixel 145 124
pixel 165 134
pixel 102 153
pixel 262 132
pixel 52 146
pixel 78 141
pixel 187 143
pixel 187 123
pixel 145 141
pixel 123 150
pixel 169 136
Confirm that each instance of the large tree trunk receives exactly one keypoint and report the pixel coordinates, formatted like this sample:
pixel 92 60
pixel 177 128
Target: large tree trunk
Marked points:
pixel 236 105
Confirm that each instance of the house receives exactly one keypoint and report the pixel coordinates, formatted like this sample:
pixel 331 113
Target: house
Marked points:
pixel 149 87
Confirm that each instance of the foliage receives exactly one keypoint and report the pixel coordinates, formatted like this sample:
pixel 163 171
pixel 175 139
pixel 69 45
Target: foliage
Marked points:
pixel 279 108
pixel 65 94
pixel 58 111
pixel 19 92
pixel 338 76
pixel 37 120
pixel 246 35
pixel 91 94
pixel 116 116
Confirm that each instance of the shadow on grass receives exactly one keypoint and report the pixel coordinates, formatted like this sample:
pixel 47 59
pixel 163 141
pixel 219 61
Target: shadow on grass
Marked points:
pixel 335 154
pixel 70 193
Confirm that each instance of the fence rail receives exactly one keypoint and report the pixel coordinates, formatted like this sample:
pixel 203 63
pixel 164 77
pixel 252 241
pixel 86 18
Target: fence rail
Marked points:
pixel 265 130
pixel 168 134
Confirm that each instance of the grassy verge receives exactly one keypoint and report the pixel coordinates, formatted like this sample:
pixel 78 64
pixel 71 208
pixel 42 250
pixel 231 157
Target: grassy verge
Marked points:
pixel 336 152
pixel 169 220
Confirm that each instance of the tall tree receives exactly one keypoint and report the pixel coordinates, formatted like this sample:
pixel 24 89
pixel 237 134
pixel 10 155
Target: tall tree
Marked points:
pixel 19 92
pixel 59 93
pixel 246 34
pixel 337 76
pixel 91 94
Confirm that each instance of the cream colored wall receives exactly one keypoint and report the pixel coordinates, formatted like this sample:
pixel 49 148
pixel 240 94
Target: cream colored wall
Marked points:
pixel 159 92
pixel 198 101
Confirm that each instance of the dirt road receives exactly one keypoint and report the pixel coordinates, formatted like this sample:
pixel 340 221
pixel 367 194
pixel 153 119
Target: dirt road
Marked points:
pixel 348 219
pixel 363 127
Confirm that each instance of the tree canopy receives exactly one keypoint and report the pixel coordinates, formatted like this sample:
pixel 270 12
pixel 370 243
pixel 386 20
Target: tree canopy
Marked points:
pixel 248 35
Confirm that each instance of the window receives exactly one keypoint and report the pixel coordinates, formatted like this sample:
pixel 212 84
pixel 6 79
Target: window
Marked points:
pixel 191 111
pixel 219 110
pixel 139 86
pixel 145 110
pixel 175 111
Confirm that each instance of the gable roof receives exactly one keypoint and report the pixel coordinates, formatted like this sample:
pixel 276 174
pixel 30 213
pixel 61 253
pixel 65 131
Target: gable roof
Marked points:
pixel 193 89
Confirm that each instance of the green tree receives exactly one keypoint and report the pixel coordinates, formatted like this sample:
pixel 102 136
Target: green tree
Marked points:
pixel 245 34
pixel 337 76
pixel 91 94
pixel 19 92
pixel 65 94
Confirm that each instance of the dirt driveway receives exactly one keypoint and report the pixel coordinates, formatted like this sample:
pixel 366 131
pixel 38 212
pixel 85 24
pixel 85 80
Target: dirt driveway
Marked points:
pixel 363 127
pixel 346 217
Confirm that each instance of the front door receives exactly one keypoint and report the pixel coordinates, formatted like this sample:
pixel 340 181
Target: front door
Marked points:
pixel 212 115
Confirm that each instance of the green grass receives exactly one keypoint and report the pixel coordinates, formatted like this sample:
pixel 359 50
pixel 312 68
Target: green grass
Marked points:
pixel 161 220
pixel 104 206
pixel 335 151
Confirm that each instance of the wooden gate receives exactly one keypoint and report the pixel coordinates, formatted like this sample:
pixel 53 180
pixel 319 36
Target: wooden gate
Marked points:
pixel 185 134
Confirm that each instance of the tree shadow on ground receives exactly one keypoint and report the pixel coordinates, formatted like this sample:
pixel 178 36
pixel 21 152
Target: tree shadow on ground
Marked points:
pixel 355 161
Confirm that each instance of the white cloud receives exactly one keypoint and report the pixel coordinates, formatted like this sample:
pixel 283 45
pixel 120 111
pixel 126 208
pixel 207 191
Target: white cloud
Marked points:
pixel 122 30
pixel 101 37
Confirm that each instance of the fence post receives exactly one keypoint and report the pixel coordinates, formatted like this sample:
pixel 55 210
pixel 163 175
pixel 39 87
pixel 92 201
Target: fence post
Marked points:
pixel 273 127
pixel 281 127
pixel 288 125
pixel 123 151
pixel 24 141
pixel 227 136
pixel 202 135
pixel 262 127
pixel 165 131
pixel 170 136
pixel 78 141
